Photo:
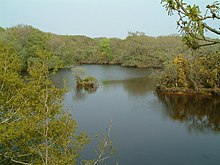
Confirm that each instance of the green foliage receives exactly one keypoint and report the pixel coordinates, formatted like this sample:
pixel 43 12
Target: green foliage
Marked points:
pixel 144 51
pixel 2 29
pixel 195 74
pixel 207 70
pixel 106 50
pixel 136 50
pixel 33 127
pixel 71 50
pixel 53 61
pixel 193 23
pixel 26 40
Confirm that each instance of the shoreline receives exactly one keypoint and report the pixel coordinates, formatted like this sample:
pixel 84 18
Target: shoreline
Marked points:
pixel 189 92
pixel 111 63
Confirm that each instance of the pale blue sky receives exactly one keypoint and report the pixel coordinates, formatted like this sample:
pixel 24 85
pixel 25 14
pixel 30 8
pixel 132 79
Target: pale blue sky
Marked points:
pixel 93 18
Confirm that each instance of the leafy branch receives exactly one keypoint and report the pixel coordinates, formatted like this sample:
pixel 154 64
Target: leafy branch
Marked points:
pixel 192 22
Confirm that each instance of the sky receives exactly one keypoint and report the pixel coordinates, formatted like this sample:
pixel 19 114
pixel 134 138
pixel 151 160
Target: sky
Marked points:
pixel 93 18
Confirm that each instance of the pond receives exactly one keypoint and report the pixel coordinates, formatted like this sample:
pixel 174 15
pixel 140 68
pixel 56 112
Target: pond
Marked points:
pixel 147 129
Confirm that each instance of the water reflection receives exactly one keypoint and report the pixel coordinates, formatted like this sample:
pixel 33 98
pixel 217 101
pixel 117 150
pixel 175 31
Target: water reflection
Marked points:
pixel 82 93
pixel 115 72
pixel 134 87
pixel 198 113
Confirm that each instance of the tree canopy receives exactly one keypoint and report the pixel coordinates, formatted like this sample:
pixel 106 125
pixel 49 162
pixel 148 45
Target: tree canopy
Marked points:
pixel 34 128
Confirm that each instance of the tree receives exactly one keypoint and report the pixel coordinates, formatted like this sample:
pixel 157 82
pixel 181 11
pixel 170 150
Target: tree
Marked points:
pixel 26 40
pixel 34 129
pixel 106 50
pixel 193 23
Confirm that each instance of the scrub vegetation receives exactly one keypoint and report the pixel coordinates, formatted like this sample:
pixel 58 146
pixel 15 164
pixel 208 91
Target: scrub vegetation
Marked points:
pixel 136 50
pixel 185 69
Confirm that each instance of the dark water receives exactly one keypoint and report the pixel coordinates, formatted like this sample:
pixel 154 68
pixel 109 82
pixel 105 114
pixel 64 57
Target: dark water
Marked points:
pixel 147 129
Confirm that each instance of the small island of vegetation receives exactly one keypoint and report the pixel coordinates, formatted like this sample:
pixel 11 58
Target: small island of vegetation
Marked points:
pixel 87 82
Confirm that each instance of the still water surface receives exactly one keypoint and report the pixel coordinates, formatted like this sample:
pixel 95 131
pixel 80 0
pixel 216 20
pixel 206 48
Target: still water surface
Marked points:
pixel 147 129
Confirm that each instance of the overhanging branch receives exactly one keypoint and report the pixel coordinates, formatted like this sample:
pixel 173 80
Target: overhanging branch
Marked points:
pixel 211 29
